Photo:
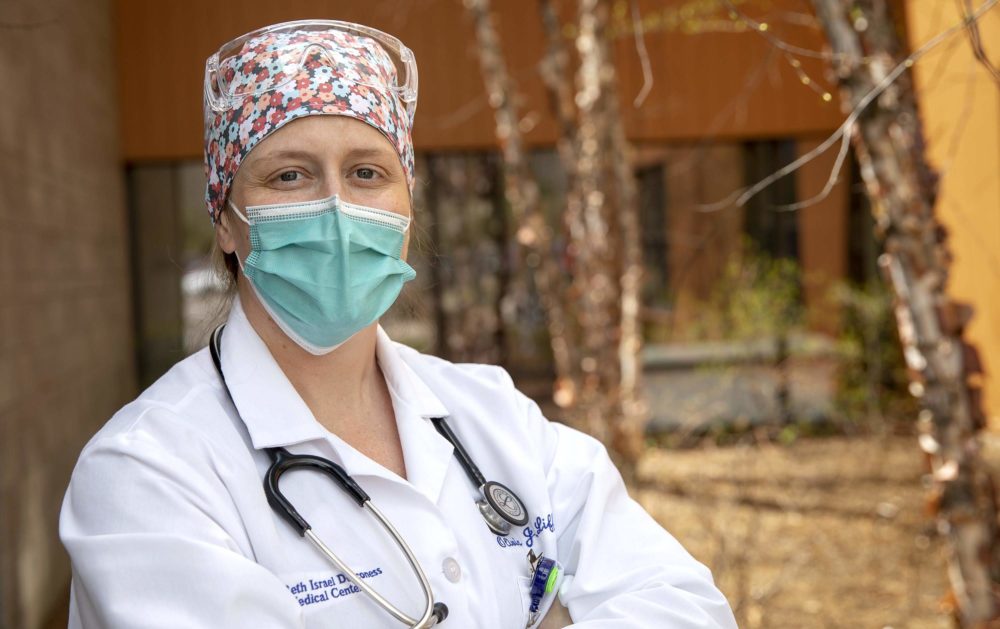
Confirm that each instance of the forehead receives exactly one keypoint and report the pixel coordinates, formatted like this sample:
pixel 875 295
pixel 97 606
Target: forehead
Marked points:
pixel 325 137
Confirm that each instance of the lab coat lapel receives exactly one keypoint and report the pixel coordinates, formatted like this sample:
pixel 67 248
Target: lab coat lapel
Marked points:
pixel 426 454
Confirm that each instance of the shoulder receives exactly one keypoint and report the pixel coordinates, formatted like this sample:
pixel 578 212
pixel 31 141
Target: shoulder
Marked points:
pixel 483 398
pixel 174 446
pixel 446 378
pixel 185 412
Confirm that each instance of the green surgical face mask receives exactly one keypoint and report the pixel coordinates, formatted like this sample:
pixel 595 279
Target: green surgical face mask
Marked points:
pixel 325 269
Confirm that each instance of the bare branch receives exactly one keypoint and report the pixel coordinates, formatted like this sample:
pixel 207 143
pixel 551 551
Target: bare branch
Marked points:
pixel 805 79
pixel 751 80
pixel 968 101
pixel 740 197
pixel 944 368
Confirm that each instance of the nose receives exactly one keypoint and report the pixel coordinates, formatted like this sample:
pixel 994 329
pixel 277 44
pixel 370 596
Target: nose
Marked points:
pixel 333 182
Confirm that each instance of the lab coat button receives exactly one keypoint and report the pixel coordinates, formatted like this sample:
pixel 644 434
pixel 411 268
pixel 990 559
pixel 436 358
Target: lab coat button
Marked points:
pixel 452 571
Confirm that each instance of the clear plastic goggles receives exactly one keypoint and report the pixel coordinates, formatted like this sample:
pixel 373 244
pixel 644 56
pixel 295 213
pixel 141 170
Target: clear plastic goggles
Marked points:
pixel 223 93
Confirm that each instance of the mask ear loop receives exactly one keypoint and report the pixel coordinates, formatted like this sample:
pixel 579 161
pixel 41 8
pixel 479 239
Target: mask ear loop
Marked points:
pixel 238 213
pixel 245 220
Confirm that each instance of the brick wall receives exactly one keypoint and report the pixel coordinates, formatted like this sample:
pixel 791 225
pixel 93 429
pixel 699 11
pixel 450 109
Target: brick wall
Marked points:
pixel 66 355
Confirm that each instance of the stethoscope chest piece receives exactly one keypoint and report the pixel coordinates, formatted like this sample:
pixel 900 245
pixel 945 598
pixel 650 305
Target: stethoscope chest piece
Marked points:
pixel 501 508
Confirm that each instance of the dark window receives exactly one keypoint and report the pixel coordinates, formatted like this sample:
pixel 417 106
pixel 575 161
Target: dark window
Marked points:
pixel 653 225
pixel 774 231
pixel 862 248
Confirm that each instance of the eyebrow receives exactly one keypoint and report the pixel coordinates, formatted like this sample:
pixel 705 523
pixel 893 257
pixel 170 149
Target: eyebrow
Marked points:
pixel 360 153
pixel 356 153
pixel 286 154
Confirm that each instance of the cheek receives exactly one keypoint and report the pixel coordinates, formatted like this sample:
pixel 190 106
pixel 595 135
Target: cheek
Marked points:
pixel 395 198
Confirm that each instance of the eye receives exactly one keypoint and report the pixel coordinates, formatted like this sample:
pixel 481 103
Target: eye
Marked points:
pixel 290 175
pixel 365 173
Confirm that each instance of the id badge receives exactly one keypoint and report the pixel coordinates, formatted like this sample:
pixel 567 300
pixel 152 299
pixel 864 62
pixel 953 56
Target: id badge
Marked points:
pixel 545 576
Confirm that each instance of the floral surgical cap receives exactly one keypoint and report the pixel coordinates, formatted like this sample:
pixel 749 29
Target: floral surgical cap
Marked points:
pixel 345 74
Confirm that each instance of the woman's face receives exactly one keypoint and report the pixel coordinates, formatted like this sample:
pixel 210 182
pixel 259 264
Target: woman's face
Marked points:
pixel 314 158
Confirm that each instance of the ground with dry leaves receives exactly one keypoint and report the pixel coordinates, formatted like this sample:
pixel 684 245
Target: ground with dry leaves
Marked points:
pixel 821 533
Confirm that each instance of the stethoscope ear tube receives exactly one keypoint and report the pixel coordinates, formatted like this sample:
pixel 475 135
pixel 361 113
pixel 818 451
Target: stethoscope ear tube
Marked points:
pixel 471 469
pixel 283 461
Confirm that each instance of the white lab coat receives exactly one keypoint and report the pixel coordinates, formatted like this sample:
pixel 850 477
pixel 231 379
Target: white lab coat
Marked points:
pixel 167 525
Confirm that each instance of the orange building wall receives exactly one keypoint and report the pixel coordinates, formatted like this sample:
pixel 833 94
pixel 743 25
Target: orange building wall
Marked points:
pixel 720 84
pixel 960 105
pixel 66 351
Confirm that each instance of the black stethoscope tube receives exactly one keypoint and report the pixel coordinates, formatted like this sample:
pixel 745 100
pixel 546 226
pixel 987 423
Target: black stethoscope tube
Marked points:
pixel 282 461
pixel 471 469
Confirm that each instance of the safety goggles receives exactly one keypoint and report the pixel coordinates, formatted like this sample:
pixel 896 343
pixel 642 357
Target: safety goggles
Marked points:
pixel 284 49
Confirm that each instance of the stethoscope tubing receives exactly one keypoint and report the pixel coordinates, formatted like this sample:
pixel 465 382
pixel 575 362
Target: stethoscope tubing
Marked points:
pixel 471 469
pixel 425 585
pixel 283 461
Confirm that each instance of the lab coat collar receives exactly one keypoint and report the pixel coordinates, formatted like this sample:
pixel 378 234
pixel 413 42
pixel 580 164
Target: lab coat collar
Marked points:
pixel 426 454
pixel 273 411
pixel 403 381
pixel 275 414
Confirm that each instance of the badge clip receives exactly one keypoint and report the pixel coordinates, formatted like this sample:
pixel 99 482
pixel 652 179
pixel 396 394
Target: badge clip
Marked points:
pixel 545 575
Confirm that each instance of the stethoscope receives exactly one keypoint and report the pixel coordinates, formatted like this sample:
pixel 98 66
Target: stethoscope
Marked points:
pixel 499 506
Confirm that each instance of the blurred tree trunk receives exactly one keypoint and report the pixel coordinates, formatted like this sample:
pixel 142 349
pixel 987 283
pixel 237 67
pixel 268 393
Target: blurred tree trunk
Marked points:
pixel 944 370
pixel 602 221
pixel 531 231
pixel 468 284
pixel 593 314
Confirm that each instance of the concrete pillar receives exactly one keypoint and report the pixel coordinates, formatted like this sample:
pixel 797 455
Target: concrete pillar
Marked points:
pixel 157 259
pixel 66 354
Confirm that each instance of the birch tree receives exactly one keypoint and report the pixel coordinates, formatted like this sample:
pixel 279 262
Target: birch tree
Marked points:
pixel 592 305
pixel 870 68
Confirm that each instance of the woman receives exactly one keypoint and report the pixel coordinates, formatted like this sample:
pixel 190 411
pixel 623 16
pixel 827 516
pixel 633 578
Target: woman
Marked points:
pixel 310 179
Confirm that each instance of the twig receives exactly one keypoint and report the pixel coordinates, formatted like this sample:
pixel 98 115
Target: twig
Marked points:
pixel 972 28
pixel 804 77
pixel 968 101
pixel 750 82
pixel 640 49
pixel 794 17
pixel 762 29
pixel 831 181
